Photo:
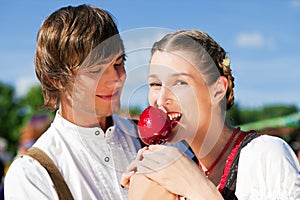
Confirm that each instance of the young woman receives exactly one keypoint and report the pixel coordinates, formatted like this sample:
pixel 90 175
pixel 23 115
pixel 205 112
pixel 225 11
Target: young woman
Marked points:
pixel 190 76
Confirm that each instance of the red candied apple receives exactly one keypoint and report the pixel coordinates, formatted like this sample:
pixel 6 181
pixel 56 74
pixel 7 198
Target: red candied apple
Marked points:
pixel 154 126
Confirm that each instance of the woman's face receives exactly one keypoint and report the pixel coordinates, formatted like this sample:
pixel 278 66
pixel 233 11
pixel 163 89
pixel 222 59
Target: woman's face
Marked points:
pixel 178 86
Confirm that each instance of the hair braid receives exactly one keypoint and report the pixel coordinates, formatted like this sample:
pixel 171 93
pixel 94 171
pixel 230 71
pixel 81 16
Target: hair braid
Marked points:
pixel 217 54
pixel 229 93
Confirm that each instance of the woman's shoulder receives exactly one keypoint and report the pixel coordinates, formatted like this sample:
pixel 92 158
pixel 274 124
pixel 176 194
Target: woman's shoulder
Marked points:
pixel 267 166
pixel 266 147
pixel 266 143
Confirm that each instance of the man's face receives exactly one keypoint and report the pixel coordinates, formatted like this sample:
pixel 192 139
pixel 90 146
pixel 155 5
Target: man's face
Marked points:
pixel 98 88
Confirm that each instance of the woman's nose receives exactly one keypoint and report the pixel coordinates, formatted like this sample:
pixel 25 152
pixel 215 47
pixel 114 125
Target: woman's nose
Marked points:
pixel 165 97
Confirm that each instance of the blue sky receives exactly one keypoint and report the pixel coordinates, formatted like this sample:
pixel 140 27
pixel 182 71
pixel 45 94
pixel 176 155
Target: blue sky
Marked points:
pixel 262 39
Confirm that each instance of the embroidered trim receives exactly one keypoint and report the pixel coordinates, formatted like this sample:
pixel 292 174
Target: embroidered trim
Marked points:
pixel 231 168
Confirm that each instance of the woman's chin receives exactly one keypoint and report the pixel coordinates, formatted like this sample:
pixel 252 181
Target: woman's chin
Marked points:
pixel 176 136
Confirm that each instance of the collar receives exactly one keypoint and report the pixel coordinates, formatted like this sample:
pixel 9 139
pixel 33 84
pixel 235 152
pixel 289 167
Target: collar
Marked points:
pixel 66 127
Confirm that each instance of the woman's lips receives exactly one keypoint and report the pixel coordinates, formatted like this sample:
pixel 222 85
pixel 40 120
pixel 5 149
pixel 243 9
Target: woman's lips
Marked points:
pixel 174 117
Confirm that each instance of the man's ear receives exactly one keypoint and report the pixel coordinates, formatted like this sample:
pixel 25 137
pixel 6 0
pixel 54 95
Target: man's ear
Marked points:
pixel 219 89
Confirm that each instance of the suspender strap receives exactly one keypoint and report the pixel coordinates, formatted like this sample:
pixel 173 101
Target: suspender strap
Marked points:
pixel 60 185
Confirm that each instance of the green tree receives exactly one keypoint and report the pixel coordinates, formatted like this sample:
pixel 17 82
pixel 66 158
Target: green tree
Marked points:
pixel 272 111
pixel 134 111
pixel 16 112
pixel 266 112
pixel 10 116
pixel 238 115
pixel 234 115
pixel 32 100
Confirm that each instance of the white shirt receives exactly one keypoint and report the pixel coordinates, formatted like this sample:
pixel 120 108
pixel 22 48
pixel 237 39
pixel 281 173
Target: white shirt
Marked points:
pixel 268 169
pixel 90 161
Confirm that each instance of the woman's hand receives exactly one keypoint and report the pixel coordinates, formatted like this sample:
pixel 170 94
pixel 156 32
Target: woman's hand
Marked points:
pixel 132 168
pixel 142 188
pixel 176 172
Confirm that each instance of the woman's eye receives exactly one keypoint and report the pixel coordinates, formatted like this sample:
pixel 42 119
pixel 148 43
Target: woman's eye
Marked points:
pixel 179 83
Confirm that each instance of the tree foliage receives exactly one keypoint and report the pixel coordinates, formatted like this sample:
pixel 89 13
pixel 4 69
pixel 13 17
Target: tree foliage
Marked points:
pixel 10 117
pixel 242 116
pixel 15 112
pixel 33 99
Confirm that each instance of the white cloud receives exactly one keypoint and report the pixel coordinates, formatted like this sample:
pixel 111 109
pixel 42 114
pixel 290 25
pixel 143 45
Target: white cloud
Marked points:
pixel 295 3
pixel 142 38
pixel 250 40
pixel 24 84
pixel 255 40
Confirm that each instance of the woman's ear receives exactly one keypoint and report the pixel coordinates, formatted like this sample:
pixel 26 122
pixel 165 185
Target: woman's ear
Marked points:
pixel 219 89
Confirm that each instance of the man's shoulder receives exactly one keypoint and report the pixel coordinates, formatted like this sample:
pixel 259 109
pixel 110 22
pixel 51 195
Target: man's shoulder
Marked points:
pixel 26 174
pixel 24 166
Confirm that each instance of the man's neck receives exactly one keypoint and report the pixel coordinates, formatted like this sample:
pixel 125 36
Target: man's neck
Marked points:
pixel 108 122
pixel 85 119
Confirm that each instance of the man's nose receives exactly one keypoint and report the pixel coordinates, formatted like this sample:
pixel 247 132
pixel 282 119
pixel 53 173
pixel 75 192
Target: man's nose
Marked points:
pixel 113 76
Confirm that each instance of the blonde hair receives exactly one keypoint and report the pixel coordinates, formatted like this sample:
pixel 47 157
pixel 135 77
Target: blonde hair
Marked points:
pixel 64 40
pixel 201 44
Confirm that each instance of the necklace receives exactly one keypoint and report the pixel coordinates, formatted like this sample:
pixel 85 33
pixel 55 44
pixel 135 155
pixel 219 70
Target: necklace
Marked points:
pixel 207 172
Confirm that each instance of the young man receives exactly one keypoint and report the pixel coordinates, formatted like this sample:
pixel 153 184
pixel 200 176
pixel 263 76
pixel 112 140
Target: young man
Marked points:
pixel 80 63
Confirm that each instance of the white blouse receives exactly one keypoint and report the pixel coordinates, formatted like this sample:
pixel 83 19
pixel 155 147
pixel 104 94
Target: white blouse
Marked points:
pixel 90 160
pixel 268 169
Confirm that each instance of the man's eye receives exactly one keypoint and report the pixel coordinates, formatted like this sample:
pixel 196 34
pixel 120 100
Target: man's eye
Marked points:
pixel 120 63
pixel 116 65
pixel 95 71
pixel 155 84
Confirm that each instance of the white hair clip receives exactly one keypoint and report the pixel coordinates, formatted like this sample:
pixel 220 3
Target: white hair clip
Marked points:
pixel 226 61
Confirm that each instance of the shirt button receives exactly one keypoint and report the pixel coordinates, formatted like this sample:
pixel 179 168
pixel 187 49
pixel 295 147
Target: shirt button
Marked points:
pixel 97 132
pixel 106 159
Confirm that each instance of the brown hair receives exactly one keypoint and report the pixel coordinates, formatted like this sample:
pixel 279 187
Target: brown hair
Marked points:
pixel 190 40
pixel 64 40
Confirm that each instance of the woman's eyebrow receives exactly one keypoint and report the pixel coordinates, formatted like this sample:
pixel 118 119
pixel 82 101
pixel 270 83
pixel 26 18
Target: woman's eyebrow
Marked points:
pixel 173 75
pixel 152 76
pixel 182 74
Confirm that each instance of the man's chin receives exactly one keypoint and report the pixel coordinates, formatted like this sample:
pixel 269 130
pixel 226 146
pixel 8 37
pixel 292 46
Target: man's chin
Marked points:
pixel 116 107
pixel 107 111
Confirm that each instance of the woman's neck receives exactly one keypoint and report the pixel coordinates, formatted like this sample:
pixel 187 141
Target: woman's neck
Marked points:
pixel 207 154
